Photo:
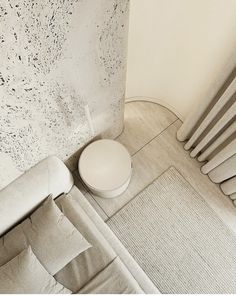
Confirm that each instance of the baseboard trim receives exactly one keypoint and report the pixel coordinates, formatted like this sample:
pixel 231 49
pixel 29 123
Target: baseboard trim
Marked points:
pixel 155 101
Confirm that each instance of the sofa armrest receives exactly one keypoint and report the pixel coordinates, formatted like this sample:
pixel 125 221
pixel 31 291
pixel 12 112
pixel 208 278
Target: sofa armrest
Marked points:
pixel 139 275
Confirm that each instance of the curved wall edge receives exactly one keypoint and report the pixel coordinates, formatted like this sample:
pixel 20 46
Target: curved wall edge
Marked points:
pixel 155 101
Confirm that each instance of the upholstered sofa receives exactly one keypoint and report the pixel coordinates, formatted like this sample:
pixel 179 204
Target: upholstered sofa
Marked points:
pixel 106 267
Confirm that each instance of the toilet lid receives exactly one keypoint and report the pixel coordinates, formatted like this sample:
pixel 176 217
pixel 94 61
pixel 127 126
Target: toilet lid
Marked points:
pixel 105 165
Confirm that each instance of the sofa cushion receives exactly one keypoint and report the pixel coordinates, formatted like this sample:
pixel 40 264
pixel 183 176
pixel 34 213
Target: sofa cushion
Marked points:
pixel 23 195
pixel 24 274
pixel 145 283
pixel 114 279
pixel 53 238
pixel 84 267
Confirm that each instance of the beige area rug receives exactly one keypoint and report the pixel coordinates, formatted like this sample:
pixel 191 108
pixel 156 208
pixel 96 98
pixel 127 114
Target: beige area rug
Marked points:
pixel 177 239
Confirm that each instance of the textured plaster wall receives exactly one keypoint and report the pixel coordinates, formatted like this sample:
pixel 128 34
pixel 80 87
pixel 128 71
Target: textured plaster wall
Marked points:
pixel 55 58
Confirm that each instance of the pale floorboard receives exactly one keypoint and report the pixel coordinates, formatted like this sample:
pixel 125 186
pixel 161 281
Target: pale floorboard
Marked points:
pixel 142 122
pixel 78 182
pixel 156 154
pixel 87 194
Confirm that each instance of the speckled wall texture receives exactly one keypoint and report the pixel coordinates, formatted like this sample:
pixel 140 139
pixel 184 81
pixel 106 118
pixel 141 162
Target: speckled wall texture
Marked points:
pixel 56 57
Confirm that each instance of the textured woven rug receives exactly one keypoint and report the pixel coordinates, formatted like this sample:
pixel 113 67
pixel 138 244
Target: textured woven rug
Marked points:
pixel 177 239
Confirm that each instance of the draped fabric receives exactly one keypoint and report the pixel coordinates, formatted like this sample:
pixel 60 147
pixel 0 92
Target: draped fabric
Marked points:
pixel 210 135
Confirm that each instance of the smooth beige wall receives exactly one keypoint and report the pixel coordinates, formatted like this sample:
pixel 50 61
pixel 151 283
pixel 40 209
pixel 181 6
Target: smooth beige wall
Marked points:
pixel 178 48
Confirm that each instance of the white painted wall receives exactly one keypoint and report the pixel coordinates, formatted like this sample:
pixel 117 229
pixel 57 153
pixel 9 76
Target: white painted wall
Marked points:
pixel 177 48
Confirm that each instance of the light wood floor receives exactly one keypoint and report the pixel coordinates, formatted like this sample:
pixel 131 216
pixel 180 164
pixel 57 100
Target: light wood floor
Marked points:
pixel 150 137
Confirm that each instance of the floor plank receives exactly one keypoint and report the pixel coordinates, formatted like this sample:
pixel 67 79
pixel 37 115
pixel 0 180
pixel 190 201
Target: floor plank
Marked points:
pixel 142 122
pixel 147 165
pixel 96 206
pixel 150 136
pixel 157 156
pixel 87 194
pixel 78 182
